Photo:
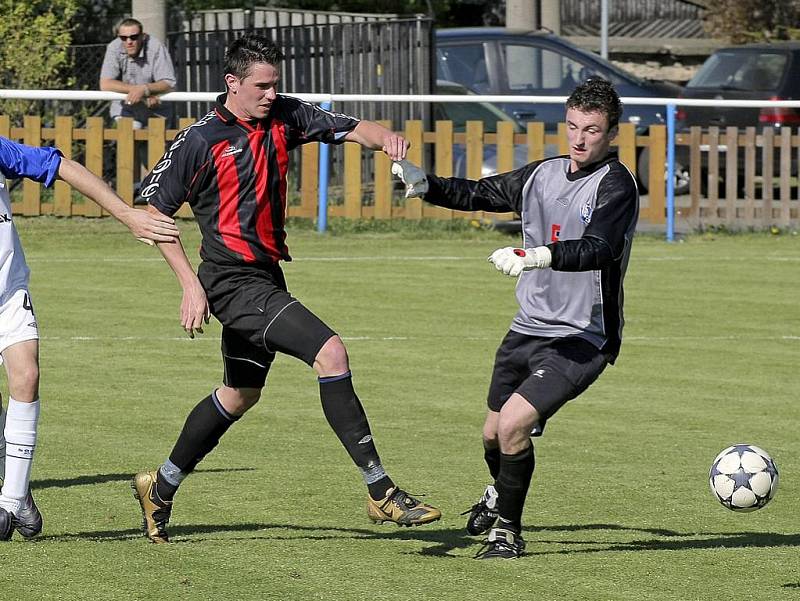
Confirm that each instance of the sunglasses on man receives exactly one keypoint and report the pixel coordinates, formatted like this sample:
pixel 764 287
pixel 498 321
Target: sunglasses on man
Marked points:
pixel 132 38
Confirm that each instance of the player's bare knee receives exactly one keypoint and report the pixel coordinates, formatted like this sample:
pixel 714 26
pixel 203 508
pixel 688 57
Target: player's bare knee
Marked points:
pixel 490 430
pixel 237 401
pixel 23 382
pixel 332 358
pixel 512 435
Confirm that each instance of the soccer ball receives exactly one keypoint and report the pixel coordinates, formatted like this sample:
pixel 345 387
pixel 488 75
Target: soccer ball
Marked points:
pixel 743 478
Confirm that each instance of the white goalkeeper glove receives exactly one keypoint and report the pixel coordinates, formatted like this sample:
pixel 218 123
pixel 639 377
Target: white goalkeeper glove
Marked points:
pixel 412 176
pixel 513 261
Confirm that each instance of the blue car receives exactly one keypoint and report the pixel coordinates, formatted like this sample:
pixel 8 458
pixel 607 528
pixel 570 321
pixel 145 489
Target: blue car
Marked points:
pixel 496 60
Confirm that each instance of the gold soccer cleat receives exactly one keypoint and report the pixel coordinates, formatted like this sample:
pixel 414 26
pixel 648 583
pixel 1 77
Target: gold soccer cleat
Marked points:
pixel 401 508
pixel 155 512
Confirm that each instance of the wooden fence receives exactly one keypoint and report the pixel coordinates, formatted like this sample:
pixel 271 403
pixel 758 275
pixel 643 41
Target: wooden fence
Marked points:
pixel 361 195
pixel 740 178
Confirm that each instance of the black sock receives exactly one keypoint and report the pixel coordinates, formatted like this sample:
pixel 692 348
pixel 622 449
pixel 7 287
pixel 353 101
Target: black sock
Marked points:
pixel 377 490
pixel 492 458
pixel 204 426
pixel 346 416
pixel 165 490
pixel 512 486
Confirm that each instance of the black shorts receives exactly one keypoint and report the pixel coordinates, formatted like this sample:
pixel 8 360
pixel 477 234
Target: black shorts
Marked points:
pixel 259 318
pixel 547 372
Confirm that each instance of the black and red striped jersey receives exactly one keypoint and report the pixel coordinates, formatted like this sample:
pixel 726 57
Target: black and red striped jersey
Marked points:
pixel 233 175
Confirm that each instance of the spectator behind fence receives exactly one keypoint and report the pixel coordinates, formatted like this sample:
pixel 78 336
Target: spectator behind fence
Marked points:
pixel 139 65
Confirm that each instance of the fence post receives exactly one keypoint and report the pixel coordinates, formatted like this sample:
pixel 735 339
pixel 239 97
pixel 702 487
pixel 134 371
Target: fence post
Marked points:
pixel 670 172
pixel 62 198
pixel 125 159
pixel 324 155
pixel 31 191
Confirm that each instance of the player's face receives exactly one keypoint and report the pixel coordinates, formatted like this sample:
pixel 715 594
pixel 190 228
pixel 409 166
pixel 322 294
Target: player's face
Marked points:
pixel 252 96
pixel 132 39
pixel 589 137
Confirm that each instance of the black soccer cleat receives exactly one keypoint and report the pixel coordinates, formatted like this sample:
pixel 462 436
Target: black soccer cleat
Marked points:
pixel 6 525
pixel 28 519
pixel 502 544
pixel 483 514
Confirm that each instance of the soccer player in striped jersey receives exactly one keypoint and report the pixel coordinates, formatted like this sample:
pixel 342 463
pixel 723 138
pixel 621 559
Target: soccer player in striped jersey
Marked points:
pixel 579 214
pixel 19 334
pixel 231 168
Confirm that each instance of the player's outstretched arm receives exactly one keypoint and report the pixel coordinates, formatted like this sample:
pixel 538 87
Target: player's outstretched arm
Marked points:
pixel 194 305
pixel 145 226
pixel 375 136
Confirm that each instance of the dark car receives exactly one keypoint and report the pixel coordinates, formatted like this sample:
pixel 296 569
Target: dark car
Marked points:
pixel 485 112
pixel 496 60
pixel 750 72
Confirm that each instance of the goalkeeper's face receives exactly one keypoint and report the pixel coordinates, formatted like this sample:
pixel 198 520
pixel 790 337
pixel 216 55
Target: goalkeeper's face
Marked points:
pixel 589 136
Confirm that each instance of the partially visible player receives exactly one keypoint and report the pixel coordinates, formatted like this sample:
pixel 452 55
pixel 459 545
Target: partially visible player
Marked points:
pixel 579 213
pixel 19 334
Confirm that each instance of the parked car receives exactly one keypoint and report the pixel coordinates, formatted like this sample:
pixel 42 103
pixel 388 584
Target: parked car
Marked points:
pixel 494 60
pixel 486 112
pixel 750 72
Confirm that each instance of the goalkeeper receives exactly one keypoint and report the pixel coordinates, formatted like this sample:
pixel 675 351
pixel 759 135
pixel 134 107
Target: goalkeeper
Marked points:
pixel 578 218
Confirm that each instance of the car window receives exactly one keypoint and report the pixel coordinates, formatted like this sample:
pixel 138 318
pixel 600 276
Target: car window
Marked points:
pixel 750 71
pixel 534 69
pixel 460 113
pixel 464 64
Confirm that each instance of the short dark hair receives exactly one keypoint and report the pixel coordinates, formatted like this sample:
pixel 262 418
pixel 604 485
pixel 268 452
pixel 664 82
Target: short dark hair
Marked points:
pixel 248 50
pixel 597 95
pixel 129 22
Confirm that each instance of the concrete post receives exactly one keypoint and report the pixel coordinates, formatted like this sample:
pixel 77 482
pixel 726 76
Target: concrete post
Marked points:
pixel 522 14
pixel 551 15
pixel 153 15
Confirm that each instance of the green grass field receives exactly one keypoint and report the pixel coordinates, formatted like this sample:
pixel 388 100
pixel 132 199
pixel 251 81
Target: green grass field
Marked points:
pixel 619 507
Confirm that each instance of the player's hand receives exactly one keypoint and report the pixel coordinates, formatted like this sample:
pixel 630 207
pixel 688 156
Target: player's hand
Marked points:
pixel 150 227
pixel 395 146
pixel 194 309
pixel 152 101
pixel 513 261
pixel 412 176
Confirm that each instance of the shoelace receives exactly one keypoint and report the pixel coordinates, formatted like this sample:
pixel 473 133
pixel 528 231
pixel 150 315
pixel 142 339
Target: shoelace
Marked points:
pixel 399 497
pixel 479 506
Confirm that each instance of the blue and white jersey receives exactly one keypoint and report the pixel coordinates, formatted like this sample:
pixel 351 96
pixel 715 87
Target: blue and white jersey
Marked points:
pixel 18 160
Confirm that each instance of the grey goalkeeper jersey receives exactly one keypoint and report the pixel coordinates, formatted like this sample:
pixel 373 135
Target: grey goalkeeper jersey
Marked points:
pixel 586 218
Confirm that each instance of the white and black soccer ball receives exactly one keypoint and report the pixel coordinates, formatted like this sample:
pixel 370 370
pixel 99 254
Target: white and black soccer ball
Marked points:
pixel 743 477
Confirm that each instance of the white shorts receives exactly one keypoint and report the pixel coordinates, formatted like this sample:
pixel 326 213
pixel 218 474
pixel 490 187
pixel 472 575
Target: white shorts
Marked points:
pixel 17 321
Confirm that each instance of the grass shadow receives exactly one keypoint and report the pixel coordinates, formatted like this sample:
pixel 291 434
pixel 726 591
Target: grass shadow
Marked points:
pixel 443 540
pixel 669 540
pixel 104 478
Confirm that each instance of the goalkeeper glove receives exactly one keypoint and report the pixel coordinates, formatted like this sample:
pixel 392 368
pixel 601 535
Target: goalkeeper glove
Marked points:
pixel 513 261
pixel 412 176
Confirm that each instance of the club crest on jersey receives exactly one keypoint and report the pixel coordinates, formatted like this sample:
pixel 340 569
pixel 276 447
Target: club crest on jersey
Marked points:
pixel 586 212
